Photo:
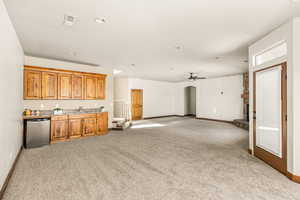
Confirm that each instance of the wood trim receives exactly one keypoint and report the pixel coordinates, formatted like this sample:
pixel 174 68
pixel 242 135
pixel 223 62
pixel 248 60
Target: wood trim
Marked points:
pixel 75 116
pixel 164 116
pixel 250 151
pixel 190 115
pixel 157 117
pixel 277 163
pixel 59 117
pixel 266 68
pixel 199 118
pixel 215 120
pixel 11 171
pixel 293 177
pixel 89 115
pixel 37 68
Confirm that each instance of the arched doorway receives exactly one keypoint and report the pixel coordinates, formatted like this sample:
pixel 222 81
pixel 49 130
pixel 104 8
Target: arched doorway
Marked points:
pixel 190 101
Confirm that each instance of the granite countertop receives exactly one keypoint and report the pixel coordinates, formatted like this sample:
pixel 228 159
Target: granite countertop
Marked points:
pixel 44 114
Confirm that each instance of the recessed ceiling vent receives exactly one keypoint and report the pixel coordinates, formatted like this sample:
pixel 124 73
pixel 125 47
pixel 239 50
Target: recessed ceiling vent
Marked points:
pixel 69 20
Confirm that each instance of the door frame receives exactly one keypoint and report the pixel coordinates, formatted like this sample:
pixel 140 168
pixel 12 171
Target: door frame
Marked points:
pixel 274 161
pixel 185 102
pixel 142 96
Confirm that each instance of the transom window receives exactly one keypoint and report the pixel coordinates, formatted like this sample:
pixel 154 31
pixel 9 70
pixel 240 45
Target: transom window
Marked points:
pixel 277 51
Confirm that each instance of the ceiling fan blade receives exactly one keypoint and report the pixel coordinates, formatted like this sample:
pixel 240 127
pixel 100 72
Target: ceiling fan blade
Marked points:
pixel 194 77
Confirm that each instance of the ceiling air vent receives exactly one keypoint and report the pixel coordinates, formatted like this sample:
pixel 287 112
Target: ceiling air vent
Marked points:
pixel 69 20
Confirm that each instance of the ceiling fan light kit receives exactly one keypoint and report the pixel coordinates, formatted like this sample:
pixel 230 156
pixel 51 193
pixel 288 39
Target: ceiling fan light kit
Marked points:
pixel 195 77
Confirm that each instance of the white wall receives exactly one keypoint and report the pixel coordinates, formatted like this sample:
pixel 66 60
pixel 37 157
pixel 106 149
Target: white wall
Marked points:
pixel 166 98
pixel 295 95
pixel 159 97
pixel 210 102
pixel 121 90
pixel 220 98
pixel 11 64
pixel 72 104
pixel 122 99
pixel 180 96
pixel 289 32
pixel 193 101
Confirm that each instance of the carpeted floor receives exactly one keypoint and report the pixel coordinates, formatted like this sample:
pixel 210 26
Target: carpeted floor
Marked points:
pixel 167 159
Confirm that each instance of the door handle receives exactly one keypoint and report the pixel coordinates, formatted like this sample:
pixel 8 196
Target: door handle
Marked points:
pixel 254 114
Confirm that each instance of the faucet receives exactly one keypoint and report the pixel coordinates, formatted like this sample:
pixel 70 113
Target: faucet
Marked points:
pixel 101 108
pixel 80 108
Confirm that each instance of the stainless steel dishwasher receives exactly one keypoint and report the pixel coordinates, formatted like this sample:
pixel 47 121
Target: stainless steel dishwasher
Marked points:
pixel 37 133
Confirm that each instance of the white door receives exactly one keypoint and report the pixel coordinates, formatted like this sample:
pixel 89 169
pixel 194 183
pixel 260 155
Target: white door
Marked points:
pixel 268 110
pixel 269 117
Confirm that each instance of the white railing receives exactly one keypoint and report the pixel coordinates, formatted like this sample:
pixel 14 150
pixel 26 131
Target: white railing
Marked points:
pixel 122 109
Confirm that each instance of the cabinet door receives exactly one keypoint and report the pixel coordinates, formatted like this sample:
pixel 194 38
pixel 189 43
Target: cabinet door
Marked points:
pixel 49 85
pixel 102 123
pixel 75 128
pixel 64 86
pixel 32 84
pixel 59 130
pixel 100 88
pixel 77 86
pixel 90 87
pixel 89 127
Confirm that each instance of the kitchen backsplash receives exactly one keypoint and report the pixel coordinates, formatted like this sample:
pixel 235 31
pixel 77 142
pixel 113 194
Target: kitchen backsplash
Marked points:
pixel 65 104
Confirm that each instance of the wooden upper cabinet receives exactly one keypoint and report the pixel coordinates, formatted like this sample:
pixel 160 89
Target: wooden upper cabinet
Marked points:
pixel 32 84
pixel 90 87
pixel 64 86
pixel 100 93
pixel 77 86
pixel 49 85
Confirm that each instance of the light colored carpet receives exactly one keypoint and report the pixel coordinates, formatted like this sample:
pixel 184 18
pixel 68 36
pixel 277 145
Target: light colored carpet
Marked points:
pixel 168 159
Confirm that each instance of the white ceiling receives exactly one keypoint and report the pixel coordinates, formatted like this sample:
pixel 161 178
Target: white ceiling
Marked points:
pixel 146 33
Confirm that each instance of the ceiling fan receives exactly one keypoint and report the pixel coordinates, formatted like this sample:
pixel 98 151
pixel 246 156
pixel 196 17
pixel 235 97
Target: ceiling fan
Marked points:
pixel 195 77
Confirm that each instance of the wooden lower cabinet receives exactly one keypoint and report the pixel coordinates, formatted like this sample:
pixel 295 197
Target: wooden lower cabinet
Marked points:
pixel 89 126
pixel 76 126
pixel 102 123
pixel 59 128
